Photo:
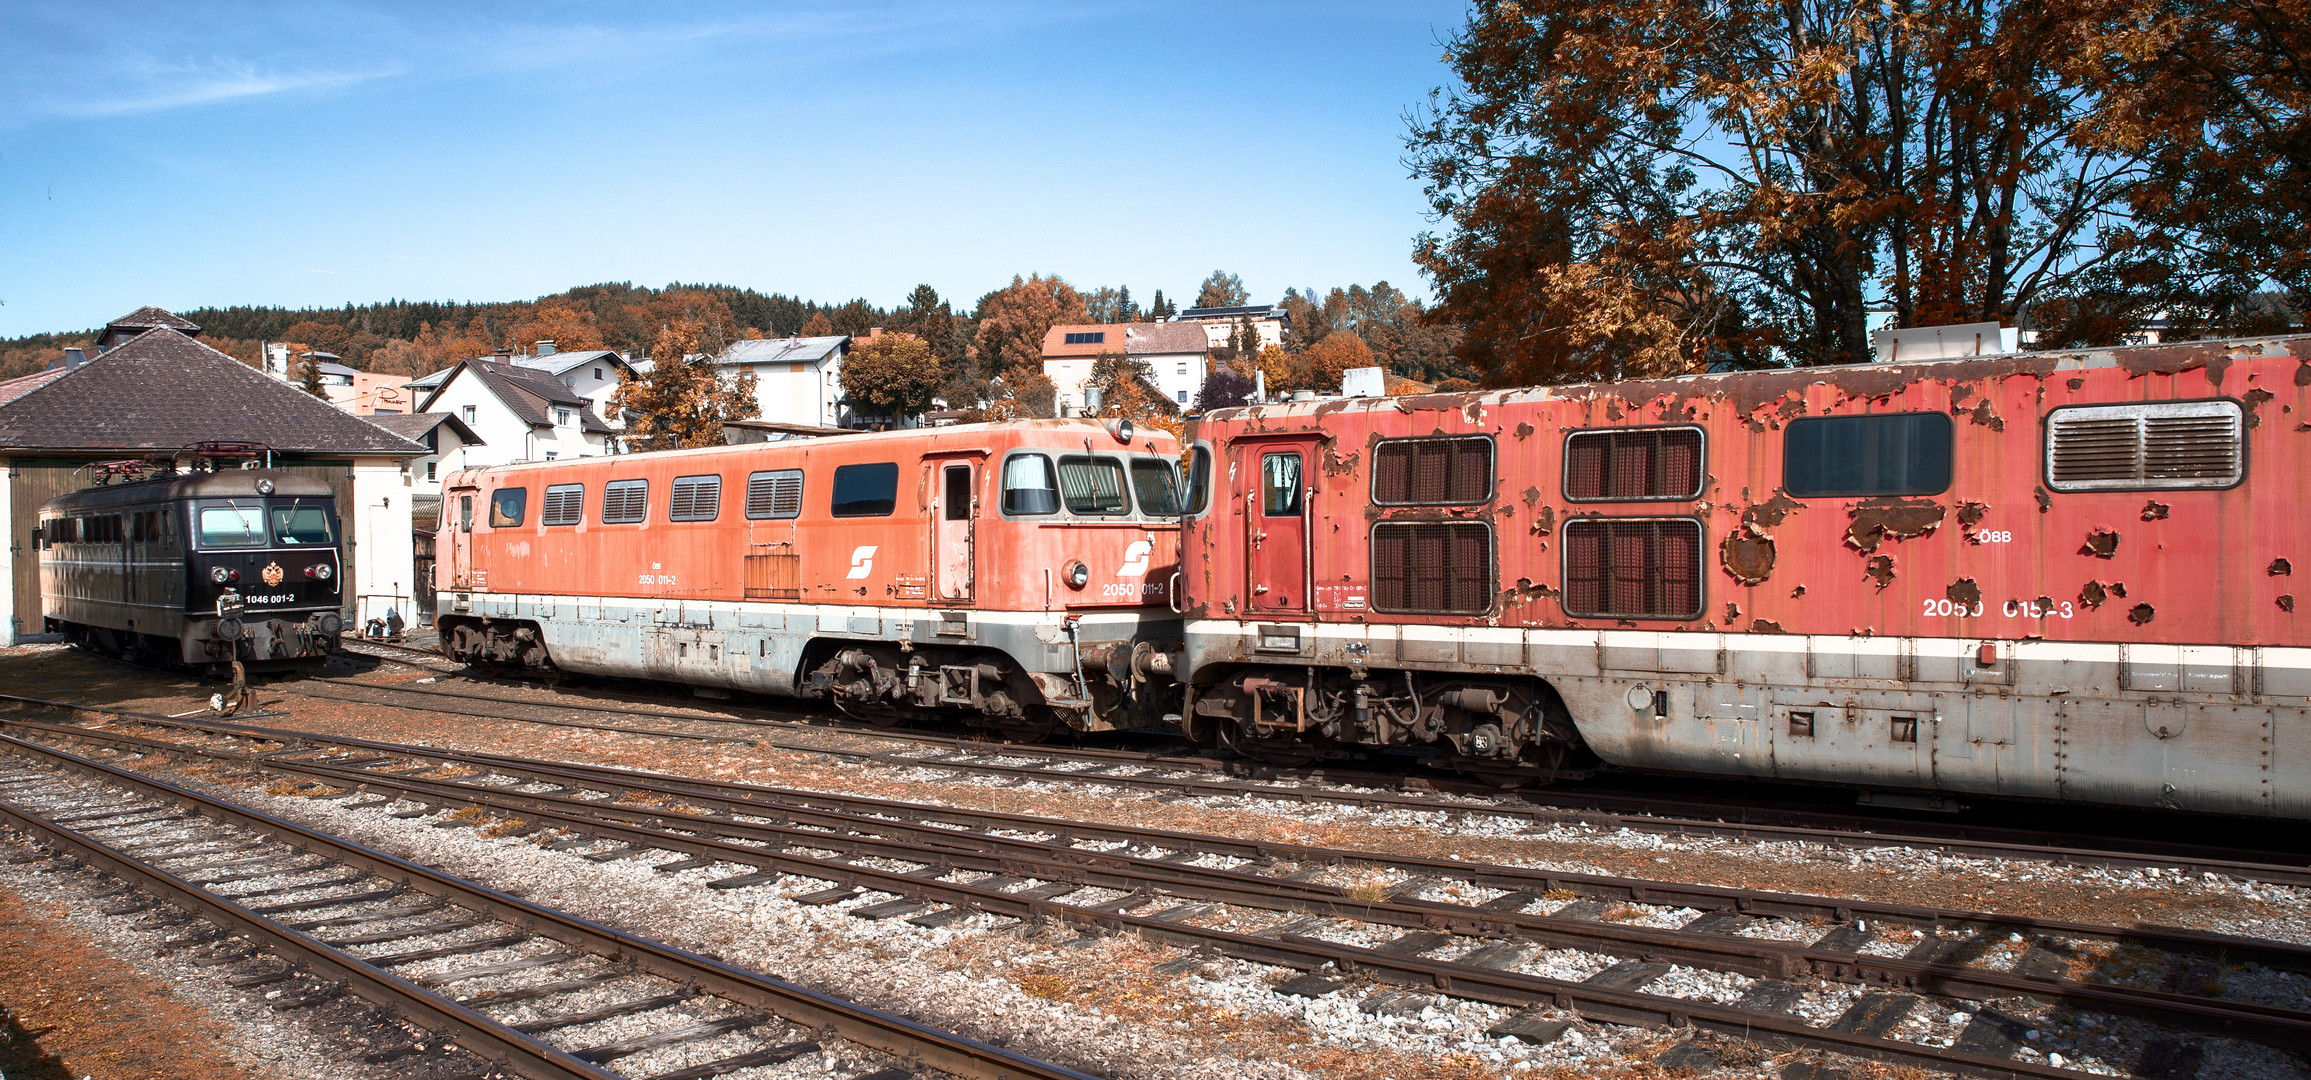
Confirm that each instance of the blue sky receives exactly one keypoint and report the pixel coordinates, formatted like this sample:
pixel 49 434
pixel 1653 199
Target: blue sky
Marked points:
pixel 316 153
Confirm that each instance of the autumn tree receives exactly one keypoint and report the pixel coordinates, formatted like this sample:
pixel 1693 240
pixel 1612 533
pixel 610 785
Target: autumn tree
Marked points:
pixel 893 374
pixel 1012 323
pixel 309 375
pixel 818 326
pixel 1328 359
pixel 1222 289
pixel 1658 186
pixel 1160 309
pixel 1224 386
pixel 567 325
pixel 684 399
pixel 1127 390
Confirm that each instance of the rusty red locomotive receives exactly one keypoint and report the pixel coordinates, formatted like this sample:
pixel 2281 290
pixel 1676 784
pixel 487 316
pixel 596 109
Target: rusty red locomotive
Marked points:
pixel 2052 575
pixel 1005 575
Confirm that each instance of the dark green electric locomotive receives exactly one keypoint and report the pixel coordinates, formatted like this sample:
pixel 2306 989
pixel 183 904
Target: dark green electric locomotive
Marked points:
pixel 201 569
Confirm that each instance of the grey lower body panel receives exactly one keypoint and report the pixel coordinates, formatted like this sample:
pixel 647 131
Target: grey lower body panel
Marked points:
pixel 2204 728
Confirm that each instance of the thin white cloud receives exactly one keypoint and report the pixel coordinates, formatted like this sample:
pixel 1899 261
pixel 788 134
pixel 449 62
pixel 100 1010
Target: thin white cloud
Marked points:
pixel 209 90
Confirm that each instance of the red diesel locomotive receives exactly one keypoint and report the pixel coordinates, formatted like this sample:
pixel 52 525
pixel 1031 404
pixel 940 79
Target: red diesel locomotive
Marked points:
pixel 1006 575
pixel 2044 575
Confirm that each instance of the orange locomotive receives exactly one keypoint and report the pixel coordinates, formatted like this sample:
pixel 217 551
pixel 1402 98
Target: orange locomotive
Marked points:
pixel 1008 575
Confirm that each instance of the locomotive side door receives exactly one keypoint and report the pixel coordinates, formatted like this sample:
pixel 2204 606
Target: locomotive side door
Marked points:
pixel 459 513
pixel 1276 529
pixel 952 523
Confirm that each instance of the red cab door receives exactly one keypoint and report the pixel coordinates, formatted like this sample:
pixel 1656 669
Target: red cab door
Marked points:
pixel 953 559
pixel 460 525
pixel 1276 523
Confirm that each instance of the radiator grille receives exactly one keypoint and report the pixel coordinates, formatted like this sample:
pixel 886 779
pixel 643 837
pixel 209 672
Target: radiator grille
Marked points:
pixel 1633 568
pixel 1442 567
pixel 695 498
pixel 776 493
pixel 1644 463
pixel 1433 472
pixel 625 501
pixel 565 504
pixel 2193 444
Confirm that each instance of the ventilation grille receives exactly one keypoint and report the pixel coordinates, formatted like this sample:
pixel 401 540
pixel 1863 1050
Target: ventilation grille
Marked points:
pixel 565 504
pixel 1633 569
pixel 1435 568
pixel 695 498
pixel 1433 472
pixel 2196 444
pixel 1623 466
pixel 775 494
pixel 625 502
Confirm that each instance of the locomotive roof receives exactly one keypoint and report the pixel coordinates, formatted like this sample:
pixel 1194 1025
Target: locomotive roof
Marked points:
pixel 230 483
pixel 1862 380
pixel 954 434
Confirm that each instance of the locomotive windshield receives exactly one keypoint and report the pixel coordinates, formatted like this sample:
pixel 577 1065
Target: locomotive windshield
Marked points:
pixel 298 523
pixel 278 522
pixel 232 526
pixel 1157 483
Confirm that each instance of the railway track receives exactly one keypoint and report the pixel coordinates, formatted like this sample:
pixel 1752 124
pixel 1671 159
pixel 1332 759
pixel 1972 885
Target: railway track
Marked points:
pixel 534 991
pixel 1269 903
pixel 1186 776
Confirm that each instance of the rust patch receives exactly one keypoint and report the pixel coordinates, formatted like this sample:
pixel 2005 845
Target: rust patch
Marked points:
pixel 2118 589
pixel 2101 543
pixel 1544 520
pixel 1958 396
pixel 2303 373
pixel 1336 465
pixel 1880 568
pixel 2287 603
pixel 1765 626
pixel 1964 592
pixel 1797 592
pixel 2045 501
pixel 1532 495
pixel 2154 510
pixel 1524 430
pixel 2281 568
pixel 1982 414
pixel 2046 605
pixel 1970 514
pixel 2142 614
pixel 1792 405
pixel 2216 367
pixel 1473 412
pixel 2255 399
pixel 2092 594
pixel 1612 410
pixel 1747 555
pixel 1732 612
pixel 1770 513
pixel 1879 520
pixel 2077 385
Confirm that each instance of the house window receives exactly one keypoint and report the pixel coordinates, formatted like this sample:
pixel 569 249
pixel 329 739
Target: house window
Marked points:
pixel 1633 568
pixel 597 374
pixel 2180 444
pixel 469 414
pixel 561 418
pixel 625 502
pixel 1183 397
pixel 570 381
pixel 1890 454
pixel 1093 337
pixel 1633 464
pixel 1183 369
pixel 430 468
pixel 551 455
pixel 695 498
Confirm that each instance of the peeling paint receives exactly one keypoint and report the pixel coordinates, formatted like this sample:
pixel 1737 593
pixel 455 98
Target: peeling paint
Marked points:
pixel 1879 568
pixel 2092 594
pixel 2281 568
pixel 1765 626
pixel 1544 520
pixel 1747 555
pixel 1337 465
pixel 1524 430
pixel 1964 593
pixel 2287 602
pixel 2101 543
pixel 1970 514
pixel 2255 399
pixel 1732 612
pixel 2077 385
pixel 1797 592
pixel 1532 495
pixel 2142 615
pixel 1879 520
pixel 1772 511
pixel 1981 414
pixel 2045 501
pixel 2154 511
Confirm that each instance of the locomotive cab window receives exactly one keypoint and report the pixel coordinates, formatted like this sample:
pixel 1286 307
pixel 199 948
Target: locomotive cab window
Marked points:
pixel 565 504
pixel 299 524
pixel 695 498
pixel 625 502
pixel 1092 486
pixel 955 499
pixel 507 506
pixel 866 490
pixel 1029 485
pixel 1894 454
pixel 774 493
pixel 1633 464
pixel 2148 447
pixel 1157 483
pixel 1433 472
pixel 1633 568
pixel 232 526
pixel 1280 485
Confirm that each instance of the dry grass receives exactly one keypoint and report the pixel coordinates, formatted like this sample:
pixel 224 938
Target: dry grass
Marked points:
pixel 285 788
pixel 470 813
pixel 503 828
pixel 1621 913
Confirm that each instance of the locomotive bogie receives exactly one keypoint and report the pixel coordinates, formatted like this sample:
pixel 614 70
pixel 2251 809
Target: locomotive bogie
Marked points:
pixel 2044 576
pixel 988 575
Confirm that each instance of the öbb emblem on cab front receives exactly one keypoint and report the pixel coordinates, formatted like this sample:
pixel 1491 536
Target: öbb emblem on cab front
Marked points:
pixel 862 561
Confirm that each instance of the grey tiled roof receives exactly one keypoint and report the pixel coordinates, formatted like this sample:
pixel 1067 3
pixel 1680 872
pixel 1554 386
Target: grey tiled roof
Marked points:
pixel 161 390
pixel 530 394
pixel 152 318
pixel 785 350
pixel 415 426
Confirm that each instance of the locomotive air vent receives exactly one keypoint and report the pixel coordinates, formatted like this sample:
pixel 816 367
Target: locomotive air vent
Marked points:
pixel 2191 444
pixel 1637 464
pixel 774 493
pixel 625 501
pixel 565 504
pixel 1433 472
pixel 1444 567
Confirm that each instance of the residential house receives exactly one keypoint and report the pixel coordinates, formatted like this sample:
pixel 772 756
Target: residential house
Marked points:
pixel 517 414
pixel 1268 320
pixel 593 373
pixel 1177 355
pixel 375 395
pixel 795 378
pixel 154 390
pixel 443 435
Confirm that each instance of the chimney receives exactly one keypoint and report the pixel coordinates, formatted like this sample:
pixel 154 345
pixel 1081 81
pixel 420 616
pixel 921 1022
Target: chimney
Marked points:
pixel 546 347
pixel 74 358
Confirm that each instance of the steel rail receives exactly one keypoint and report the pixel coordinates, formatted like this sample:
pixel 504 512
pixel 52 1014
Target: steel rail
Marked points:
pixel 700 835
pixel 1637 813
pixel 897 1035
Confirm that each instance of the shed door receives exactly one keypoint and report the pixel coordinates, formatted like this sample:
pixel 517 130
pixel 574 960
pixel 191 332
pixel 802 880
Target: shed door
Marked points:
pixel 1276 524
pixel 461 538
pixel 957 513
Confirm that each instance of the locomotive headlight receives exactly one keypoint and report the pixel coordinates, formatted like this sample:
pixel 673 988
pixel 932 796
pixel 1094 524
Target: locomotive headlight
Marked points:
pixel 221 574
pixel 264 487
pixel 318 570
pixel 1078 575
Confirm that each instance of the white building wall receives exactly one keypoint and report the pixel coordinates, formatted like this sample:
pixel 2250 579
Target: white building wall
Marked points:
pixel 1216 332
pixel 1178 375
pixel 799 392
pixel 596 381
pixel 506 437
pixel 384 557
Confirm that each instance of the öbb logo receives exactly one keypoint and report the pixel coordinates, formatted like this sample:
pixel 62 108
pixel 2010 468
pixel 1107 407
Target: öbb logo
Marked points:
pixel 862 561
pixel 1135 559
